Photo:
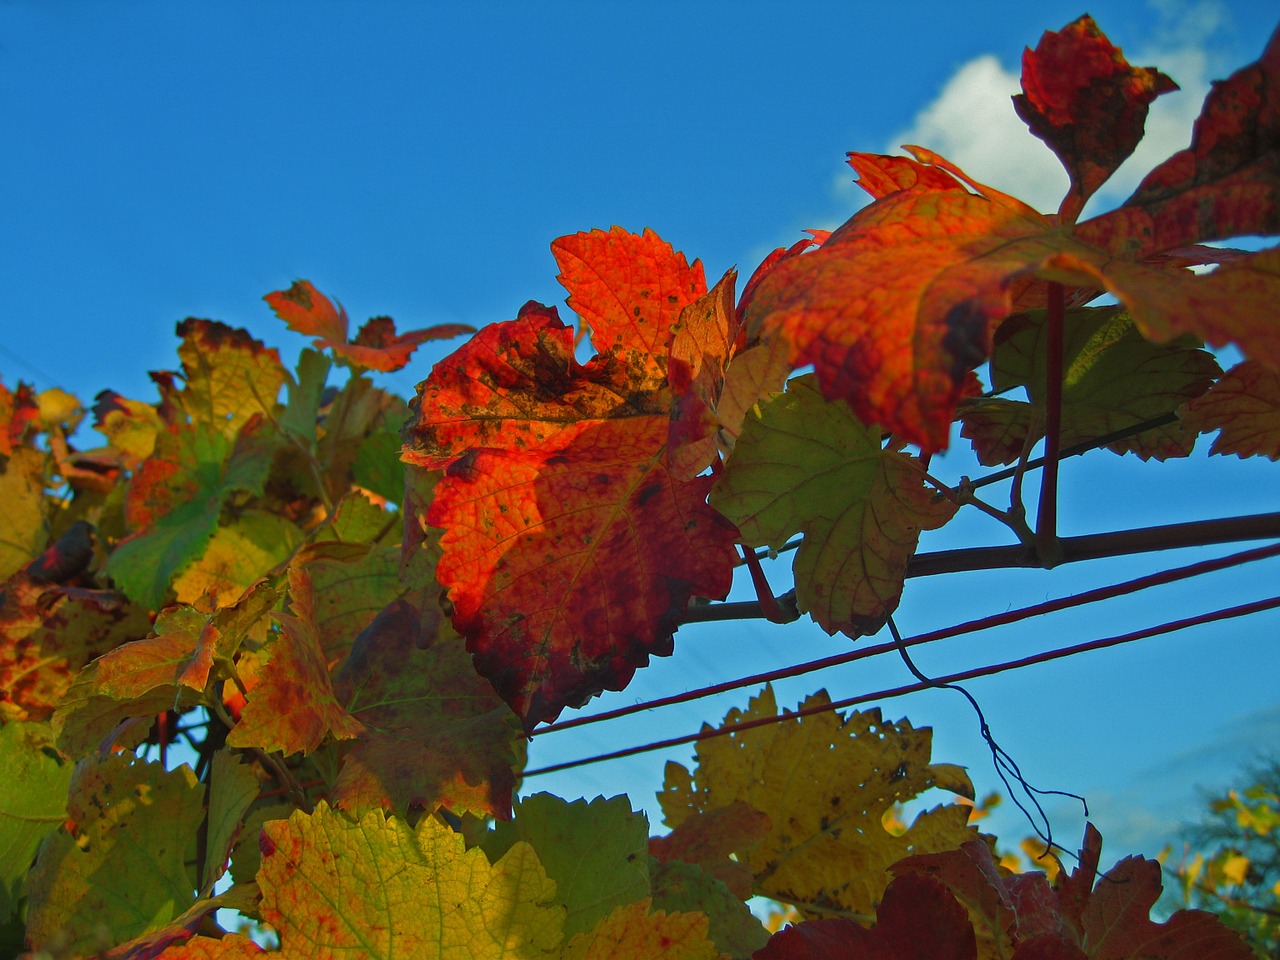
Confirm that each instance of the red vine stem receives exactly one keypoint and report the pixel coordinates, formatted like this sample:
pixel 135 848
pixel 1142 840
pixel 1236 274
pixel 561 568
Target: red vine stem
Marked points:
pixel 971 626
pixel 1048 548
pixel 1242 610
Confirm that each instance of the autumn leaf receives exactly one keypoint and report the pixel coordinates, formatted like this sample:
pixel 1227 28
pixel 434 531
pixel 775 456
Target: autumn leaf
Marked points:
pixel 294 708
pixel 335 888
pixel 376 346
pixel 918 919
pixel 1112 379
pixel 825 782
pixel 1245 405
pixel 435 734
pixel 680 887
pixel 899 305
pixel 631 932
pixel 21 511
pixel 351 584
pixel 710 839
pixel 804 465
pixel 19 409
pixel 558 477
pixel 595 853
pixel 228 377
pixel 1082 98
pixel 132 820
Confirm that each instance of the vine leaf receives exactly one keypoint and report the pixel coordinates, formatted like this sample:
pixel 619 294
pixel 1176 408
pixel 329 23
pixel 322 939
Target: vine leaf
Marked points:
pixel 18 410
pixel 21 511
pixel 571 548
pixel 294 708
pixel 1086 915
pixel 132 820
pixel 33 803
pixel 1245 404
pixel 435 734
pixel 825 782
pixel 403 892
pixel 898 306
pixel 595 853
pixel 377 346
pixel 631 932
pixel 918 919
pixel 229 377
pixel 1112 379
pixel 710 839
pixel 702 342
pixel 1082 98
pixel 681 887
pixel 804 465
pixel 233 786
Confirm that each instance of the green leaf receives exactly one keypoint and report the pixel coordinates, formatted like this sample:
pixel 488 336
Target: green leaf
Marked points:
pixel 237 555
pixel 33 802
pixel 305 395
pixel 233 786
pixel 1113 379
pixel 378 467
pixel 230 376
pixel 353 582
pixel 335 889
pixel 687 888
pixel 806 465
pixel 129 868
pixel 597 852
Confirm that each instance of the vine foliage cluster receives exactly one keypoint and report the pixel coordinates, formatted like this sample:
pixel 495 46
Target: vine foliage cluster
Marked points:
pixel 355 611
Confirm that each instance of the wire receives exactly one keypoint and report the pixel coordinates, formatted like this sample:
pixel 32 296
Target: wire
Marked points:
pixel 972 626
pixel 1226 613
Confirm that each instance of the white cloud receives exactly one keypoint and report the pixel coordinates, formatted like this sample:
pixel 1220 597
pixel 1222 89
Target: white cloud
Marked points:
pixel 971 122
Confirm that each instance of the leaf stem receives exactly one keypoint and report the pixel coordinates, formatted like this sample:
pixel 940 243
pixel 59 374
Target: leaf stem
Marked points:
pixel 1048 547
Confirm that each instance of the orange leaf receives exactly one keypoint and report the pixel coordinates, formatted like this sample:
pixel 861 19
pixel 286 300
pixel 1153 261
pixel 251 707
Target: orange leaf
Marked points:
pixel 702 341
pixel 1082 98
pixel 376 346
pixel 1245 404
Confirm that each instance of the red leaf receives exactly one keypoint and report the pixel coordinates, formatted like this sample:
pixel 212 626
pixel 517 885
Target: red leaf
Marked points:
pixel 376 347
pixel 571 548
pixel 918 919
pixel 1087 103
pixel 701 344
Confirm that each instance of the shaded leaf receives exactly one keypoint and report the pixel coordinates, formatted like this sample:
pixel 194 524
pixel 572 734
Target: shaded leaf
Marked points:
pixel 702 341
pixel 1245 405
pixel 808 466
pixel 23 533
pixel 233 786
pixel 133 820
pixel 435 733
pixel 352 583
pixel 595 852
pixel 293 708
pixel 377 346
pixel 19 410
pixel 33 802
pixel 680 887
pixel 1082 98
pixel 333 888
pixel 708 841
pixel 631 932
pixel 917 920
pixel 237 555
pixel 825 782
pixel 1112 379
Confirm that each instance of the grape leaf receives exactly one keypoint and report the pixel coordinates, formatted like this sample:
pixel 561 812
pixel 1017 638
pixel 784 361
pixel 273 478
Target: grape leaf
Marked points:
pixel 1086 915
pixel 918 919
pixel 132 820
pixel 595 852
pixel 237 555
pixel 558 478
pixel 806 465
pixel 23 533
pixel 230 947
pixel 176 498
pixel 898 306
pixel 233 786
pixel 48 632
pixel 825 782
pixel 1112 379
pixel 702 341
pixel 680 887
pixel 293 708
pixel 18 410
pixel 352 583
pixel 333 888
pixel 1082 98
pixel 708 841
pixel 229 376
pixel 631 932
pixel 130 426
pixel 33 802
pixel 435 734
pixel 1245 404
pixel 377 346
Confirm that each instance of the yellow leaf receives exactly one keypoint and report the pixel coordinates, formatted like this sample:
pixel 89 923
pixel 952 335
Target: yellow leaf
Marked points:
pixel 631 932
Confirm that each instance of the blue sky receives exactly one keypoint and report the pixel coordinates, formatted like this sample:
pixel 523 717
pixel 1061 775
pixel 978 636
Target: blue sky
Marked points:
pixel 170 159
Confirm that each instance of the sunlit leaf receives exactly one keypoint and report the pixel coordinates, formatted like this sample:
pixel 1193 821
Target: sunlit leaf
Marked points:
pixel 1245 405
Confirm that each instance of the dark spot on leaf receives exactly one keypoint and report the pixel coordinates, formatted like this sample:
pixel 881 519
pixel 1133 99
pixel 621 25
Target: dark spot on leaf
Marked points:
pixel 648 493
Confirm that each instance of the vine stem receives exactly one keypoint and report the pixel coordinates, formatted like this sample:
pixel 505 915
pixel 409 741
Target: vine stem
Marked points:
pixel 1048 547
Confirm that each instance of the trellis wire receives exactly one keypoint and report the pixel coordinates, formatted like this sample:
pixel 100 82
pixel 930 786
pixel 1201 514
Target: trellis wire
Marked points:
pixel 1240 610
pixel 972 626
